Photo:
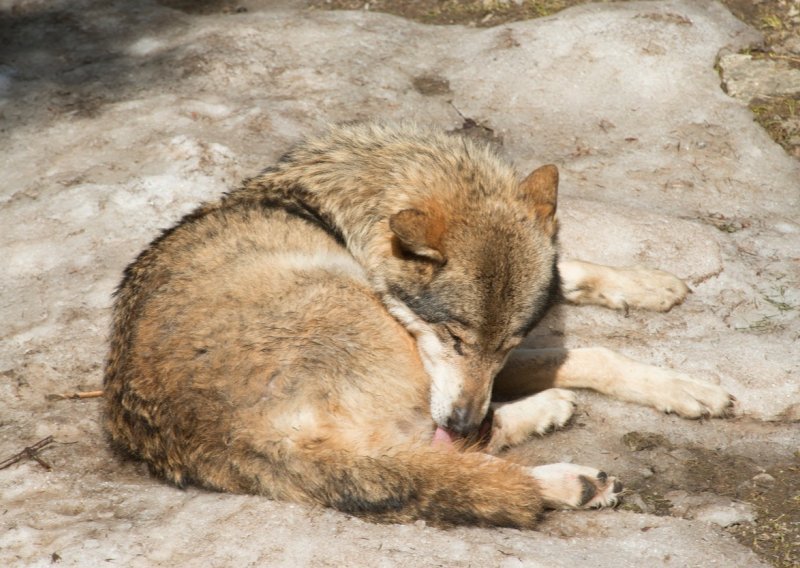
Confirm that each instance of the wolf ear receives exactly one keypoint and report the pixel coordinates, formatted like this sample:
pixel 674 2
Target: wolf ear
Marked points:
pixel 540 192
pixel 419 233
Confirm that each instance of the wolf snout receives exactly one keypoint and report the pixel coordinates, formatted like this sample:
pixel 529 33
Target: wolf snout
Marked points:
pixel 464 420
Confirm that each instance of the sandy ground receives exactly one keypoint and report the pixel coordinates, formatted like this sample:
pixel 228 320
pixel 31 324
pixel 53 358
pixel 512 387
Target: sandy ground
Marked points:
pixel 116 118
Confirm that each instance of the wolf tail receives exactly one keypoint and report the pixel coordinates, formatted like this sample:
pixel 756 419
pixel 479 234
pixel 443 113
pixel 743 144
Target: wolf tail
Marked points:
pixel 444 487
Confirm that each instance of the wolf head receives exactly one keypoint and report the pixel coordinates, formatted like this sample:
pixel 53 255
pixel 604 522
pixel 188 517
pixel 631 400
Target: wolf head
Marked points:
pixel 469 280
pixel 460 251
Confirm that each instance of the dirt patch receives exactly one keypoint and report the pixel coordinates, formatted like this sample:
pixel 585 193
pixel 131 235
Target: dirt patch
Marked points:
pixel 473 129
pixel 780 117
pixel 776 534
pixel 431 85
pixel 777 19
pixel 481 13
pixel 772 494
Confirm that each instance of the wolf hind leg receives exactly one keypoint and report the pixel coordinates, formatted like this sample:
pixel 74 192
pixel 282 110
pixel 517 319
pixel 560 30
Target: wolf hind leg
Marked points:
pixel 532 370
pixel 620 288
pixel 570 486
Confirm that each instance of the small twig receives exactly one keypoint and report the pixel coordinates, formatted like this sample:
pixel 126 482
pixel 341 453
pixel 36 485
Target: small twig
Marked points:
pixel 75 395
pixel 30 452
pixel 785 57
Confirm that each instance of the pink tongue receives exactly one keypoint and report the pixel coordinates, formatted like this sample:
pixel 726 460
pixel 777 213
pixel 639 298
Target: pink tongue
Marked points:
pixel 442 437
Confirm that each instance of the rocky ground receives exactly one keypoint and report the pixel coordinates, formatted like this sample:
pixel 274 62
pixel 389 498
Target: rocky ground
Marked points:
pixel 765 75
pixel 118 117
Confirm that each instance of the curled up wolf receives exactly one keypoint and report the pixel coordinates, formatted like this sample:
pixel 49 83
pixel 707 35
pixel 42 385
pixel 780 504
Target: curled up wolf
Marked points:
pixel 332 332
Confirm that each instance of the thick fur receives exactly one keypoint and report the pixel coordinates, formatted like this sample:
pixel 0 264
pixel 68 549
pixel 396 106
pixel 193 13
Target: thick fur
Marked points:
pixel 304 336
pixel 457 249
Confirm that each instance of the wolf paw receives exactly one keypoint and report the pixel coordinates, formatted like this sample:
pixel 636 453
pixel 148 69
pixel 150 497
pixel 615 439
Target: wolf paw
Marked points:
pixel 647 289
pixel 514 422
pixel 689 398
pixel 570 486
pixel 621 288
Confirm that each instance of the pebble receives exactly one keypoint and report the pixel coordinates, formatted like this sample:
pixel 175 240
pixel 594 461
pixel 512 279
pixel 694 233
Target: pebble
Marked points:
pixel 638 441
pixel 710 508
pixel 725 515
pixel 763 480
pixel 635 500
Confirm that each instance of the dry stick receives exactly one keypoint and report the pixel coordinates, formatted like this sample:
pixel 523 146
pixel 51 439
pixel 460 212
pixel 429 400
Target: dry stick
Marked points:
pixel 76 395
pixel 30 452
pixel 85 394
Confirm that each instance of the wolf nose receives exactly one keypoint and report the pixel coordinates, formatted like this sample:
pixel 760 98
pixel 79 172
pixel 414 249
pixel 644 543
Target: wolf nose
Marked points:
pixel 461 421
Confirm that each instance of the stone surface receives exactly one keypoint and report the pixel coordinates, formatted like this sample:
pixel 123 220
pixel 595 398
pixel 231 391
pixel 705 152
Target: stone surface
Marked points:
pixel 763 480
pixel 117 118
pixel 746 78
pixel 710 508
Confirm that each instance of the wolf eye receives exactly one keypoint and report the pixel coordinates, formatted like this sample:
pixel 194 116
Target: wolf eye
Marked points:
pixel 458 343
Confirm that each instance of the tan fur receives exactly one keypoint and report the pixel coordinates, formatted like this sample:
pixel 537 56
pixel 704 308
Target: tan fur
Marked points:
pixel 529 371
pixel 426 215
pixel 305 335
pixel 620 288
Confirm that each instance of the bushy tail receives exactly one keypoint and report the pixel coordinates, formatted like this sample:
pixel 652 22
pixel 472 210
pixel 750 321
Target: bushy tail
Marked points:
pixel 444 487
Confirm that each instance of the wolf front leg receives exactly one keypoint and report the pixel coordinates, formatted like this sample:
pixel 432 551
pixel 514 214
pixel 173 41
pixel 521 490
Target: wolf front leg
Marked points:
pixel 620 288
pixel 514 422
pixel 529 371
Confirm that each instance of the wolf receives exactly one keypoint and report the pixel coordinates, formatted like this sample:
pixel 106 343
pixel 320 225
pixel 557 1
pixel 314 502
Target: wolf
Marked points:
pixel 333 331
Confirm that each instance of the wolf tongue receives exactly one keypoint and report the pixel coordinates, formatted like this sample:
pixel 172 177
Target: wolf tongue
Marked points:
pixel 442 437
pixel 446 438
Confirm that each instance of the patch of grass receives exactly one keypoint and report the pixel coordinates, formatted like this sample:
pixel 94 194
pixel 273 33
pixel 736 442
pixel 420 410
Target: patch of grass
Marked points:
pixel 766 324
pixel 775 18
pixel 778 299
pixel 772 22
pixel 778 115
pixel 772 322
